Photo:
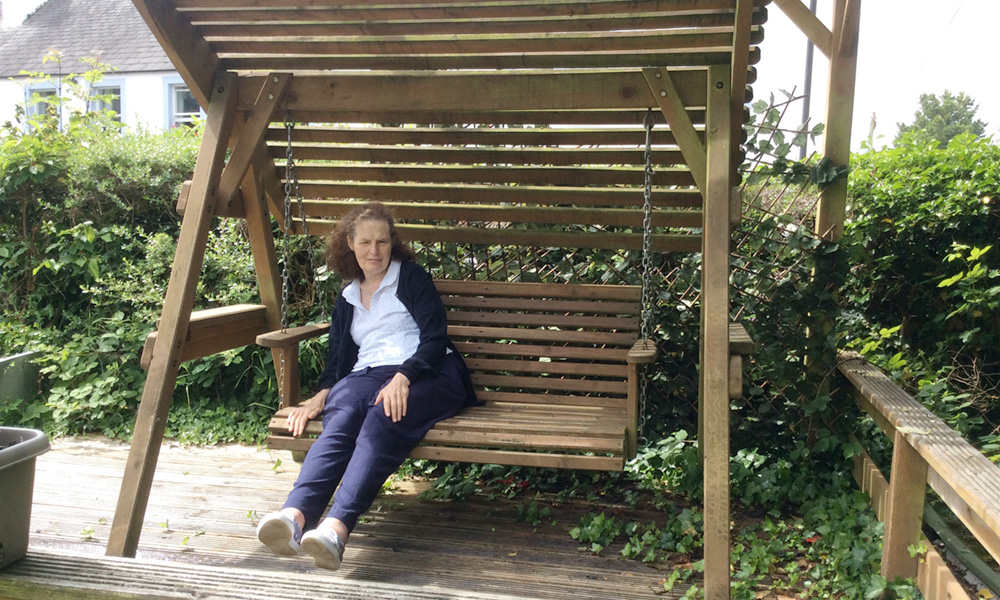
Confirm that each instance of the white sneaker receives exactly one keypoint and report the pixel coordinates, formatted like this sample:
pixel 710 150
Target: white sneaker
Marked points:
pixel 280 533
pixel 325 546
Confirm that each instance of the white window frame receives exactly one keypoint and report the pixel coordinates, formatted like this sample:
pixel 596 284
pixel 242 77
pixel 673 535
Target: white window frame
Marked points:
pixel 45 88
pixel 109 83
pixel 171 118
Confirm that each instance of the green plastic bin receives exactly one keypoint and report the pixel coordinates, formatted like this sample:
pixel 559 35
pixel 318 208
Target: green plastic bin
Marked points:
pixel 18 449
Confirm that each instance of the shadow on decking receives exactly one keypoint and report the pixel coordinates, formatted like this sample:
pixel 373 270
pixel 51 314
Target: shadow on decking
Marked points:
pixel 202 515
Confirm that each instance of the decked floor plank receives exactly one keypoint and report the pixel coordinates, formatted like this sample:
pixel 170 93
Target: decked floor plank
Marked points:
pixel 404 547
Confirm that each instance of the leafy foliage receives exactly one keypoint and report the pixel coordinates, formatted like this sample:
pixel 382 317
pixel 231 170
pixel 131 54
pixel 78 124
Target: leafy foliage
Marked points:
pixel 924 284
pixel 833 549
pixel 941 118
pixel 86 243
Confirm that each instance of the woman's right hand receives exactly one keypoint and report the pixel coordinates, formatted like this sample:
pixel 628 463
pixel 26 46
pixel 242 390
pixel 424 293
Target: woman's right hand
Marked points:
pixel 300 415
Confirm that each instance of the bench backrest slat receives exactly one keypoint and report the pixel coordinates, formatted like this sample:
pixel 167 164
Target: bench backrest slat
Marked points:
pixel 545 344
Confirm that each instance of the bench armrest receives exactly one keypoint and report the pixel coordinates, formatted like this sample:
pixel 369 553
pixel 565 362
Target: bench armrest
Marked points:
pixel 641 353
pixel 740 341
pixel 292 335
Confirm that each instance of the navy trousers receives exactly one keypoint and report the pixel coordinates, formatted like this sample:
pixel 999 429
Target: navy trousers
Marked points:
pixel 360 447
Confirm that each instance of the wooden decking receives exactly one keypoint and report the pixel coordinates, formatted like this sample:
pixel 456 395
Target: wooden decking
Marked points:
pixel 198 538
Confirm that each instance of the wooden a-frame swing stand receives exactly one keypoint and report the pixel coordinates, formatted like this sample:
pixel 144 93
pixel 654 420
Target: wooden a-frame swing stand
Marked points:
pixel 534 98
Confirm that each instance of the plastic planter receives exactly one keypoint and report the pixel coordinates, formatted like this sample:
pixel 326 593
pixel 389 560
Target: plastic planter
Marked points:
pixel 18 449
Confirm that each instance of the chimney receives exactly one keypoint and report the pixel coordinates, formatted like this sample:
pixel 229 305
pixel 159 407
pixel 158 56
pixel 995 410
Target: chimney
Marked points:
pixel 14 12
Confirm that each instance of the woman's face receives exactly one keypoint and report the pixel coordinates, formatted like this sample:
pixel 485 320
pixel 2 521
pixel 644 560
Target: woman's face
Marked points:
pixel 372 246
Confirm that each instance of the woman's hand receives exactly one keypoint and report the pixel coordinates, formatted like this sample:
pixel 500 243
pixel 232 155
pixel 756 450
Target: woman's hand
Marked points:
pixel 303 413
pixel 393 397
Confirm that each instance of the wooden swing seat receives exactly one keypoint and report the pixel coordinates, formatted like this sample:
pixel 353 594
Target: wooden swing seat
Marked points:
pixel 556 366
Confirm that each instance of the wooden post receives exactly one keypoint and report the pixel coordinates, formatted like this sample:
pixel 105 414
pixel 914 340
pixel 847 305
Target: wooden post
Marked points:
pixel 265 262
pixel 907 487
pixel 714 372
pixel 159 388
pixel 839 113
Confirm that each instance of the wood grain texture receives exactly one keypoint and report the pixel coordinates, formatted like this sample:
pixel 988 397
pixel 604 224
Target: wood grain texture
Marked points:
pixel 404 547
pixel 158 389
pixel 935 578
pixel 714 367
pixel 961 476
pixel 903 518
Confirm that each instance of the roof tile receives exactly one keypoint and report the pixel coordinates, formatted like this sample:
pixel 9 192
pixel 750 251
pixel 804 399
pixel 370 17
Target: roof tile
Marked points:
pixel 111 29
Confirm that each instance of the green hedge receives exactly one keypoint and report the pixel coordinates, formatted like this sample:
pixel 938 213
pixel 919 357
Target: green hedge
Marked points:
pixel 87 238
pixel 924 285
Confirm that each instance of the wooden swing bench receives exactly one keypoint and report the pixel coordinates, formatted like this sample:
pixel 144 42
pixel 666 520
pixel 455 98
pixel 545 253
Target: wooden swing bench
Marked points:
pixel 522 129
pixel 557 367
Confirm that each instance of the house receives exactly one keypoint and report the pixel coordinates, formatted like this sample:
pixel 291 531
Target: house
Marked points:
pixel 143 87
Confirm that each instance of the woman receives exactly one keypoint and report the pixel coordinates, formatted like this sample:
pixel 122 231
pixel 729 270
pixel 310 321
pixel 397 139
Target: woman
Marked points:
pixel 391 373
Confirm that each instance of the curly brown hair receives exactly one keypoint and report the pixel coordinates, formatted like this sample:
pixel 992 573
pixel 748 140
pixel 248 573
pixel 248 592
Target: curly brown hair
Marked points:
pixel 339 255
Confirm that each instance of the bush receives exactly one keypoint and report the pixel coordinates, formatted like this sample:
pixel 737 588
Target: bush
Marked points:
pixel 86 245
pixel 923 291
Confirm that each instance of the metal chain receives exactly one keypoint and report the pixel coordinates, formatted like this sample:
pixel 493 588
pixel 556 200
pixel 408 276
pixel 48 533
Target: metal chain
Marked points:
pixel 647 276
pixel 286 230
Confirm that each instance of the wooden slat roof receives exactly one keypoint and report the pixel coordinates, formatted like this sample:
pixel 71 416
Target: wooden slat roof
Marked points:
pixel 462 104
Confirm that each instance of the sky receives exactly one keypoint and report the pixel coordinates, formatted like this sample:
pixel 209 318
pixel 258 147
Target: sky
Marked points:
pixel 907 48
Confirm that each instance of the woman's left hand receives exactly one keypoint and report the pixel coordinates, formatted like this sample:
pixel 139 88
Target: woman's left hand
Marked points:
pixel 393 397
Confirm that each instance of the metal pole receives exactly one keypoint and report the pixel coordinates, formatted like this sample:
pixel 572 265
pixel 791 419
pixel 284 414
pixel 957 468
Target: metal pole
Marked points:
pixel 807 88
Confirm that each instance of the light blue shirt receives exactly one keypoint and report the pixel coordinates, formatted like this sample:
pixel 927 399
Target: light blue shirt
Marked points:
pixel 386 334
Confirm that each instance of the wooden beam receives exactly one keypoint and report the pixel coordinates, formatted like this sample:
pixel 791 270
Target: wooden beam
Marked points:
pixel 265 261
pixel 159 388
pixel 633 135
pixel 935 579
pixel 496 194
pixel 480 116
pixel 907 488
pixel 498 174
pixel 808 24
pixel 251 136
pixel 325 10
pixel 511 61
pixel 547 215
pixel 553 156
pixel 192 56
pixel 735 376
pixel 741 57
pixel 540 44
pixel 670 102
pixel 340 92
pixel 663 19
pixel 960 475
pixel 214 330
pixel 272 187
pixel 832 206
pixel 661 242
pixel 714 371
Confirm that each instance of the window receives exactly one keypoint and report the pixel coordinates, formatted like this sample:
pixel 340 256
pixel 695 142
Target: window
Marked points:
pixel 183 107
pixel 106 97
pixel 33 108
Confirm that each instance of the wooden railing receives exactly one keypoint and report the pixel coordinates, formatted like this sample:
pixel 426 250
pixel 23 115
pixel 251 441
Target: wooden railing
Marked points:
pixel 925 452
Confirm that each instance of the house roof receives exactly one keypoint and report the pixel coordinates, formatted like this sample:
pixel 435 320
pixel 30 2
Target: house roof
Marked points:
pixel 111 29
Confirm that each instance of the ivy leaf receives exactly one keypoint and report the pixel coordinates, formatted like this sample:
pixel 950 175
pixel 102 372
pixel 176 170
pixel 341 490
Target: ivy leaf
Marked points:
pixel 875 587
pixel 95 271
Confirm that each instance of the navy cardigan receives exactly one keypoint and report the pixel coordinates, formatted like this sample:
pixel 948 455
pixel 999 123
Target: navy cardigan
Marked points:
pixel 417 293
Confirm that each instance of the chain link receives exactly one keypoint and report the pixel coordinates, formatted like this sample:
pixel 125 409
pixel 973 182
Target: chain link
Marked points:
pixel 286 230
pixel 647 275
